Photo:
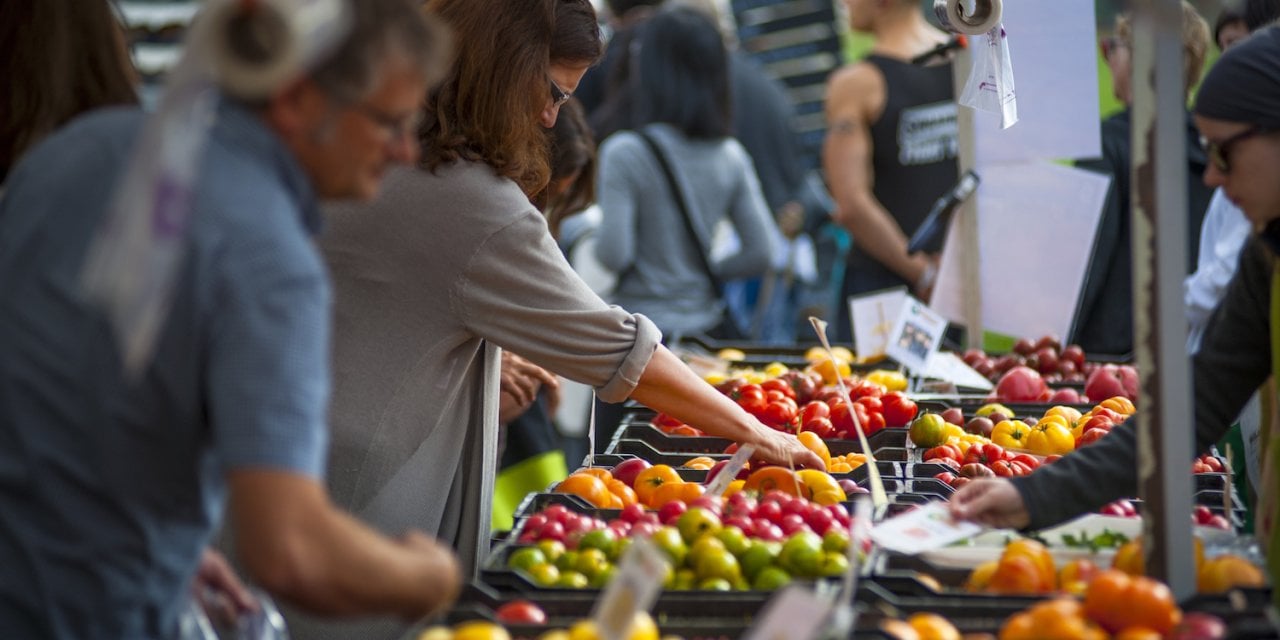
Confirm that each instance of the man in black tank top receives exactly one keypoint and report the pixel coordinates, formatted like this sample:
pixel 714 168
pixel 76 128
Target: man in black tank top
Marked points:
pixel 890 150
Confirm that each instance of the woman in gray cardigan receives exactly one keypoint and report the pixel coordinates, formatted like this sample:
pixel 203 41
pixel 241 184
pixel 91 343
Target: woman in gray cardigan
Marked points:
pixel 680 100
pixel 453 264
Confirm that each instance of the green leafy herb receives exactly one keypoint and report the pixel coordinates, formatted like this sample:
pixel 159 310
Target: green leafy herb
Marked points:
pixel 1108 539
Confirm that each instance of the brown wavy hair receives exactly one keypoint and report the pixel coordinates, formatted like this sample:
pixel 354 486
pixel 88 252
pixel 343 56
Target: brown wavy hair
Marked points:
pixel 486 110
pixel 62 58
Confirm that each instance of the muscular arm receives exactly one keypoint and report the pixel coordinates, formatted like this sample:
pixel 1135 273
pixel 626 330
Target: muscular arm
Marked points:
pixel 855 98
pixel 300 547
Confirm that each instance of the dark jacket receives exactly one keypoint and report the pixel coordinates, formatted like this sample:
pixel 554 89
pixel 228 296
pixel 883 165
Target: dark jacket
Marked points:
pixel 1234 360
pixel 1104 317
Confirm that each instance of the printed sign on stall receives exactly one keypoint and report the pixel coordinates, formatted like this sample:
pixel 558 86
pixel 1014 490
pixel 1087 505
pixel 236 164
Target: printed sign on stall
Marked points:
pixel 916 335
pixel 873 315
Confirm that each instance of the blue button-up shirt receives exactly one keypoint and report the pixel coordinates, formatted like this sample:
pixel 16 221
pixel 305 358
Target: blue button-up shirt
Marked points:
pixel 110 488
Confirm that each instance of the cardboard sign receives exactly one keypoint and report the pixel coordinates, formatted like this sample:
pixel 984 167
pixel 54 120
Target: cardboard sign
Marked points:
pixel 916 335
pixel 794 613
pixel 635 588
pixel 872 316
pixel 925 529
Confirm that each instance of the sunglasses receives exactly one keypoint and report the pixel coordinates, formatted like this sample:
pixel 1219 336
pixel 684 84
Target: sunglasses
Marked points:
pixel 1219 152
pixel 558 96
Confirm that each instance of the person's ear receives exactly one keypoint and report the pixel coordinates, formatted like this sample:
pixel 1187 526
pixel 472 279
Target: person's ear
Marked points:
pixel 298 107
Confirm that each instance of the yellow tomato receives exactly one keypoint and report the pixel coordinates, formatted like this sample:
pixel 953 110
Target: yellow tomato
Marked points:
pixel 830 370
pixel 1071 414
pixel 891 380
pixel 480 631
pixel 732 355
pixel 824 489
pixel 1048 438
pixel 1011 434
pixel 775 369
pixel 715 377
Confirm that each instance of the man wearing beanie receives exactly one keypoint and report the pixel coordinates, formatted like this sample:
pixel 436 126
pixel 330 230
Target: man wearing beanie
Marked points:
pixel 1238 114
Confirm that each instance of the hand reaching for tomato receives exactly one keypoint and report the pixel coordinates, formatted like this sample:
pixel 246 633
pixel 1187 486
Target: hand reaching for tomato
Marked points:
pixel 783 449
pixel 993 502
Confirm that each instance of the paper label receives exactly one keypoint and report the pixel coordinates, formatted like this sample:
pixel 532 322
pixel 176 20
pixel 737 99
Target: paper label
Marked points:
pixel 794 613
pixel 948 366
pixel 916 335
pixel 635 588
pixel 873 316
pixel 925 529
pixel 730 470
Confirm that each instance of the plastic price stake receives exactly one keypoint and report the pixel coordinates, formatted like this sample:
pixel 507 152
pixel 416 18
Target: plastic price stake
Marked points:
pixel 635 588
pixel 878 496
pixel 794 613
pixel 591 434
pixel 730 470
pixel 1231 485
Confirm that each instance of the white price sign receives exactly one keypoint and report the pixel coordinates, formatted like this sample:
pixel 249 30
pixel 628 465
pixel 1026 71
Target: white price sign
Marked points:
pixel 916 335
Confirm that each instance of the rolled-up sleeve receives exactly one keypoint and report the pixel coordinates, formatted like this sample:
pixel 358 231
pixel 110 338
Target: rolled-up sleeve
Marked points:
pixel 518 291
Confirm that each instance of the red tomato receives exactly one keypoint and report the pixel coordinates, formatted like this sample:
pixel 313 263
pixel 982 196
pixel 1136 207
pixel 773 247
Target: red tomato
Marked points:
pixel 778 414
pixel 865 389
pixel 863 418
pixel 773 395
pixel 1091 435
pixel 1200 467
pixel 520 612
pixel 875 422
pixel 754 404
pixel 821 426
pixel 1050 459
pixel 664 420
pixel 841 417
pixel 1003 469
pixel 872 403
pixel 776 384
pixel 898 409
pixel 813 410
pixel 1214 463
pixel 942 451
pixel 984 454
pixel 1020 468
pixel 946 476
pixel 1029 461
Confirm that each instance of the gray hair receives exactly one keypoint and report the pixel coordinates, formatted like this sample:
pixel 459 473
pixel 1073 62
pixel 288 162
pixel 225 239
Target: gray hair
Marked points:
pixel 382 28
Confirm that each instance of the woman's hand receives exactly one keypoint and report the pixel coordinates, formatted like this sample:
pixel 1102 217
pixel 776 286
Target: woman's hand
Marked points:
pixel 785 449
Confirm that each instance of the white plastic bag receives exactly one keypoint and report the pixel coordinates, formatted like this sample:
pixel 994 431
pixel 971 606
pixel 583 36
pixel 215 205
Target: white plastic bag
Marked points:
pixel 990 86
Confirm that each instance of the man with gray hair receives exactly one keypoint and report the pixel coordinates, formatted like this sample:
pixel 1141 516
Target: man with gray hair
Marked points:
pixel 111 486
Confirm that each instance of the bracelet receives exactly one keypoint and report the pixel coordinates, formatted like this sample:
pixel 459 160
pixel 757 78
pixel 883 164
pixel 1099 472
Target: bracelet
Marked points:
pixel 927 278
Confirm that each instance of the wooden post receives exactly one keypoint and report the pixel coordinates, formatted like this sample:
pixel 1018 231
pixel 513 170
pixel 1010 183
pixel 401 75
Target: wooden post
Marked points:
pixel 1159 197
pixel 967 214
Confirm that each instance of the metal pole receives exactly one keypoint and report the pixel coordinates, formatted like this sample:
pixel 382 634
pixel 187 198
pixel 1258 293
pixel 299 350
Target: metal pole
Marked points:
pixel 967 215
pixel 1159 198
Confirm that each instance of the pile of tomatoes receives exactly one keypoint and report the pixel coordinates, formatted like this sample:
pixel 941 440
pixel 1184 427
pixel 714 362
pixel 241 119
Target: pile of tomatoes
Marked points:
pixel 795 402
pixel 981 461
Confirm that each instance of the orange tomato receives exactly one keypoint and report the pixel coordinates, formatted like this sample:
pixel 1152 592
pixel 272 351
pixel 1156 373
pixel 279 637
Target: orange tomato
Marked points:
pixel 685 430
pixel 649 480
pixel 1129 558
pixel 1082 570
pixel 1119 404
pixel 814 443
pixel 599 472
pixel 932 626
pixel 980 577
pixel 734 487
pixel 588 487
pixel 1228 572
pixel 624 493
pixel 1039 555
pixel 701 462
pixel 1016 574
pixel 770 478
pixel 1118 601
pixel 1138 633
pixel 1019 627
pixel 685 491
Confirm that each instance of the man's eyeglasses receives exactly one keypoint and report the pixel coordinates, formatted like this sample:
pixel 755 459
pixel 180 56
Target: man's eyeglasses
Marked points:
pixel 1220 152
pixel 398 128
pixel 558 96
